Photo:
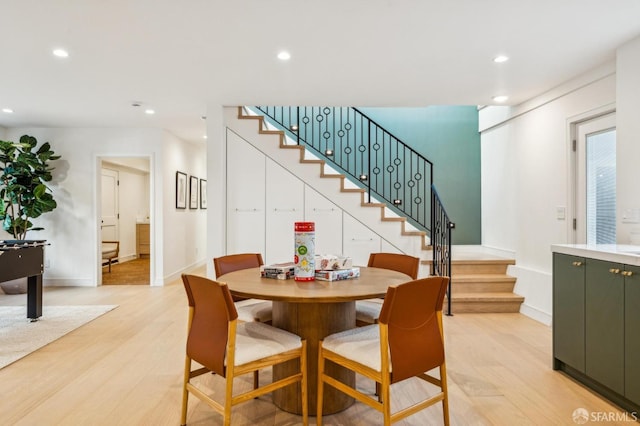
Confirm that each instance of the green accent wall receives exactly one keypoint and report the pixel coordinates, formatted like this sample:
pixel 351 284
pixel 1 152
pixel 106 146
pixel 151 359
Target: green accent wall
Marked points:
pixel 447 136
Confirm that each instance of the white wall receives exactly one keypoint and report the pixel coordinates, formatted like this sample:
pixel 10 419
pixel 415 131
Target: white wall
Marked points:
pixel 526 154
pixel 183 230
pixel 216 170
pixel 72 229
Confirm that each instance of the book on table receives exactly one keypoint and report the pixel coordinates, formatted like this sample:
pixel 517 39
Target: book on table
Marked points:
pixel 338 274
pixel 280 271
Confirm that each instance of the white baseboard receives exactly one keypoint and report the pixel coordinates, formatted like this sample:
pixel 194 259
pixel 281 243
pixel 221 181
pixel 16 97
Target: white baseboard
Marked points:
pixel 535 314
pixel 68 282
pixel 455 249
pixel 176 275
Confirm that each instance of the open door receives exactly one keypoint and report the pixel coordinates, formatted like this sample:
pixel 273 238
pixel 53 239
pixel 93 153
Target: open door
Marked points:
pixel 110 215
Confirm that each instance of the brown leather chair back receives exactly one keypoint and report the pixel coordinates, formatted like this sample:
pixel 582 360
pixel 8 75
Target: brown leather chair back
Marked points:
pixel 212 309
pixel 396 262
pixel 236 262
pixel 411 312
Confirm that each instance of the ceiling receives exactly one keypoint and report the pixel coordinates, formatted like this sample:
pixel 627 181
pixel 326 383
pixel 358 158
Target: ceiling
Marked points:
pixel 178 57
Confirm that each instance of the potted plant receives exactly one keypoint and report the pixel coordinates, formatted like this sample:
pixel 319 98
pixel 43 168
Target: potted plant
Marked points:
pixel 24 194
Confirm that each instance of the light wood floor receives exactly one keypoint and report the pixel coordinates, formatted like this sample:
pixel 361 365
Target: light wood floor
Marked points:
pixel 125 368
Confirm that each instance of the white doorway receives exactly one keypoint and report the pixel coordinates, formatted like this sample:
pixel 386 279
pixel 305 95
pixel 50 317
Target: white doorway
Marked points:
pixel 594 180
pixel 125 207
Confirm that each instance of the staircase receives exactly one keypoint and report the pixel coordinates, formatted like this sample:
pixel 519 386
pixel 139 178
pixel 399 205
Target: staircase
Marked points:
pixel 353 200
pixel 479 282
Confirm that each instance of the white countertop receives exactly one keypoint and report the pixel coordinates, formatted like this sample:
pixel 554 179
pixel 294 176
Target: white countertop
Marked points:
pixel 621 253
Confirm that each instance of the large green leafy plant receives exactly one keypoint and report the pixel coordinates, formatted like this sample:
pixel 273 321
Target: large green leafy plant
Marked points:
pixel 23 192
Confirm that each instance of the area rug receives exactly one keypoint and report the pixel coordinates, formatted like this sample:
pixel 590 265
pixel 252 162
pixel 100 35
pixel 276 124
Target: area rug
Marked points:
pixel 19 336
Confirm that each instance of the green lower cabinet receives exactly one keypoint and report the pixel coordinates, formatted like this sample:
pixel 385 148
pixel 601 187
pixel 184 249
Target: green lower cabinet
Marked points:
pixel 604 323
pixel 632 334
pixel 568 310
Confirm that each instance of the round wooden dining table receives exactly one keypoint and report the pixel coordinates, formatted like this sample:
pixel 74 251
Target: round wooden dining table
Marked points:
pixel 313 310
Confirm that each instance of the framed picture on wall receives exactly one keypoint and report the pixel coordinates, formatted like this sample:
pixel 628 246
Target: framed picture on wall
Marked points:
pixel 203 193
pixel 193 192
pixel 181 190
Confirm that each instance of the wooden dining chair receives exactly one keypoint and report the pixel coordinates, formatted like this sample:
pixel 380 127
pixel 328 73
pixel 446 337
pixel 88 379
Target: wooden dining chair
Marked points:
pixel 220 344
pixel 248 309
pixel 368 311
pixel 407 342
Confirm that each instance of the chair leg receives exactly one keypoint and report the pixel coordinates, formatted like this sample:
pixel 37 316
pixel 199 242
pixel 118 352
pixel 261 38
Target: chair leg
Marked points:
pixel 185 392
pixel 445 391
pixel 303 385
pixel 228 397
pixel 319 395
pixel 386 404
pixel 256 380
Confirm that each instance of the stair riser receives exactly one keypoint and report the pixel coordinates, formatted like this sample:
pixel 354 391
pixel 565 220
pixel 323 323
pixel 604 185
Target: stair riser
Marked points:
pixel 483 307
pixel 484 287
pixel 477 268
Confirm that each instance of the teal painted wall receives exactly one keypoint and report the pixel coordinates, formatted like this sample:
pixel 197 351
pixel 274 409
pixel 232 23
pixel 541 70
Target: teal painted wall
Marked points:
pixel 448 136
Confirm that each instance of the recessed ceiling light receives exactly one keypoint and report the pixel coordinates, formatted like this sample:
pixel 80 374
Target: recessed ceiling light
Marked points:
pixel 500 98
pixel 149 111
pixel 284 56
pixel 60 53
pixel 7 110
pixel 204 137
pixel 500 59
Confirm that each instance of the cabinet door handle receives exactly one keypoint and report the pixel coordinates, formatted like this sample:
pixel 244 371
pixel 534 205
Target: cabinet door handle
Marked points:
pixel 627 273
pixel 614 271
pixel 576 263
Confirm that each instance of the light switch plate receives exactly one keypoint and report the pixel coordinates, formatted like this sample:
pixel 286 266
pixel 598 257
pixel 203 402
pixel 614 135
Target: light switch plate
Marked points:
pixel 631 216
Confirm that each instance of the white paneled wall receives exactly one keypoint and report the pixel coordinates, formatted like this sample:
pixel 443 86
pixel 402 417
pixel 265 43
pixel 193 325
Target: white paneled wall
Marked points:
pixel 358 240
pixel 264 200
pixel 328 219
pixel 284 206
pixel 245 197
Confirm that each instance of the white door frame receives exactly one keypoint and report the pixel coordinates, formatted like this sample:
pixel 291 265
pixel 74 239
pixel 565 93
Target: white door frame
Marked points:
pixel 577 212
pixel 98 213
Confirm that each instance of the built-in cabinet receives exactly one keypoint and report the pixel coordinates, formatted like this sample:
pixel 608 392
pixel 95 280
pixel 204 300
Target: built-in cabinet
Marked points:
pixel 264 200
pixel 328 221
pixel 143 240
pixel 246 170
pixel 284 203
pixel 568 310
pixel 359 241
pixel 604 323
pixel 596 324
pixel 632 334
